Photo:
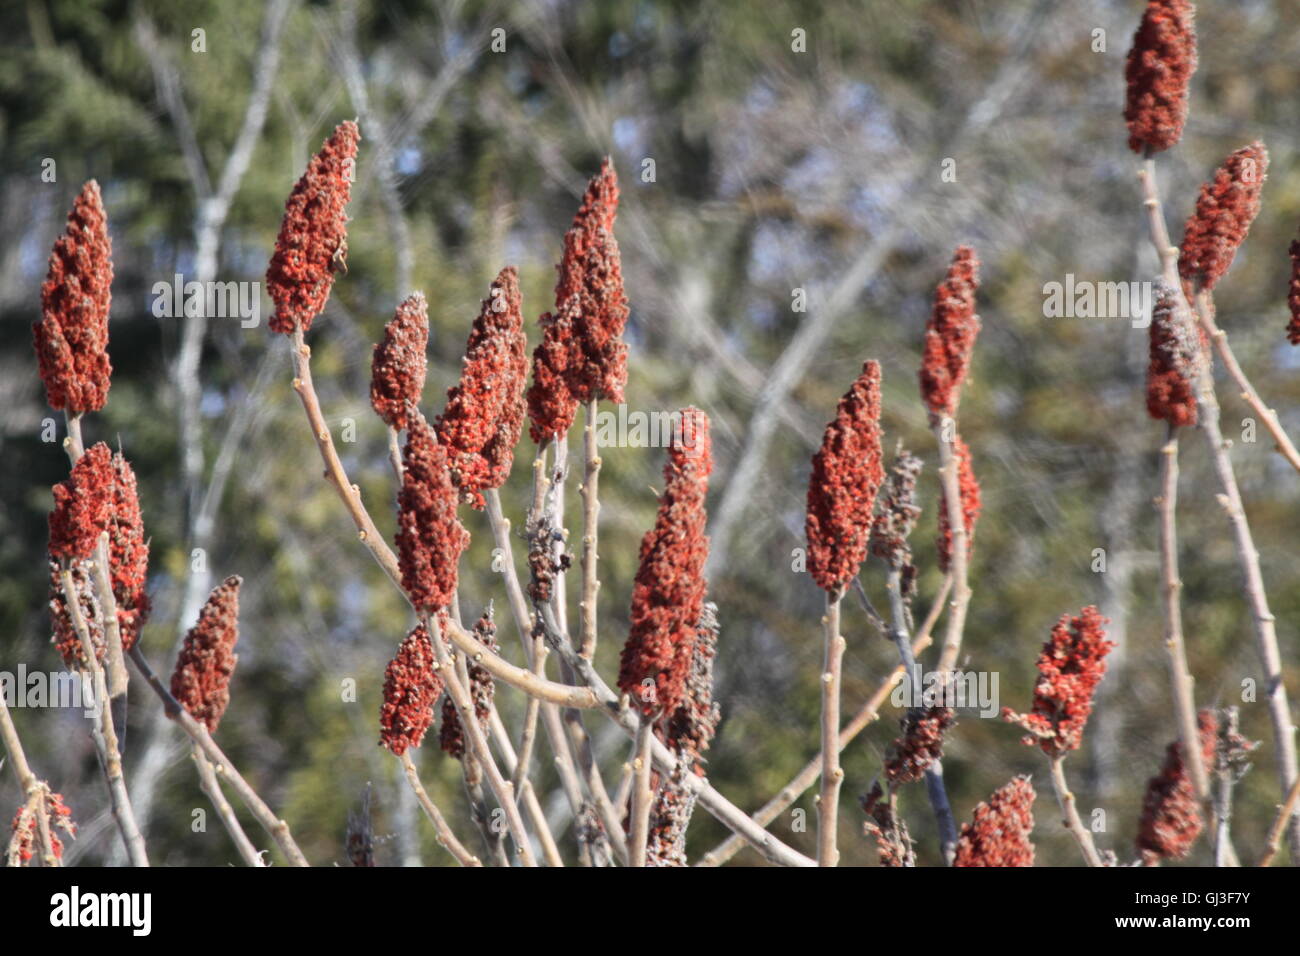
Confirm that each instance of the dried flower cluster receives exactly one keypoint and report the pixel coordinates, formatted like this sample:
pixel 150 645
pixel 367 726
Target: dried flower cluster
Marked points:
pixel 360 840
pixel 950 335
pixel 201 680
pixel 998 834
pixel 581 356
pixel 968 489
pixel 72 336
pixel 670 816
pixel 312 244
pixel 1225 208
pixel 412 686
pixel 920 744
pixel 99 496
pixel 482 689
pixel 888 829
pixel 1071 665
pixel 846 475
pixel 430 538
pixel 898 512
pixel 83 505
pixel 1293 294
pixel 1158 70
pixel 1171 815
pixel 399 362
pixel 668 594
pixel 485 410
pixel 690 728
pixel 1175 352
pixel 24 841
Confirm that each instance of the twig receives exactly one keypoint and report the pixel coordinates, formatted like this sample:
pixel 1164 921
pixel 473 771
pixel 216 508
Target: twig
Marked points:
pixel 1225 774
pixel 208 781
pixel 102 730
pixel 832 774
pixel 1284 446
pixel 812 770
pixel 334 473
pixel 958 552
pixel 1247 556
pixel 534 648
pixel 276 828
pixel 478 743
pixel 100 570
pixel 590 530
pixel 629 721
pixel 32 786
pixel 395 453
pixel 527 793
pixel 442 829
pixel 639 821
pixel 1180 676
pixel 934 786
pixel 73 444
pixel 1284 813
pixel 548 517
pixel 1070 813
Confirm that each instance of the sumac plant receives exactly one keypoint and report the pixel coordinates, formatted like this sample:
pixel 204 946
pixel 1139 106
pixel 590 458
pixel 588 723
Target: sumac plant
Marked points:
pixel 537 637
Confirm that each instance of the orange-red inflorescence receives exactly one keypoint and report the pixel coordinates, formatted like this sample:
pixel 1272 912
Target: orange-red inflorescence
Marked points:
pixel 1171 815
pixel 968 489
pixel 581 356
pixel 312 244
pixel 72 336
pixel 411 688
pixel 485 411
pixel 600 366
pixel 99 495
pixel 999 833
pixel 399 363
pixel 668 594
pixel 1225 208
pixel 83 505
pixel 201 680
pixel 482 690
pixel 551 406
pixel 25 843
pixel 846 474
pixel 1293 294
pixel 1158 71
pixel 950 335
pixel 430 538
pixel 1173 360
pixel 1071 665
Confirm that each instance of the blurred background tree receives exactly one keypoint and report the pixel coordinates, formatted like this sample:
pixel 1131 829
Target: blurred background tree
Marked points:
pixel 750 169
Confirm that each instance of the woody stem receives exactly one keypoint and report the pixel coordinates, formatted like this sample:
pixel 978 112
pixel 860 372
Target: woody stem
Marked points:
pixel 1070 813
pixel 832 773
pixel 867 714
pixel 277 829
